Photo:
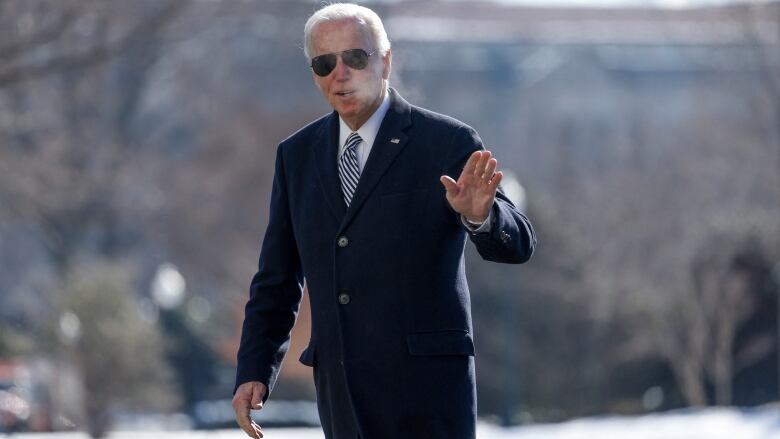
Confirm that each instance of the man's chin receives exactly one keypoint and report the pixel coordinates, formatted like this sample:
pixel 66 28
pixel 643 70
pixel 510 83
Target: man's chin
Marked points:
pixel 345 105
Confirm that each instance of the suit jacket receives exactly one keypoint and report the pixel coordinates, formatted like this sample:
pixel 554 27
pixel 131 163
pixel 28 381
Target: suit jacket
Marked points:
pixel 391 341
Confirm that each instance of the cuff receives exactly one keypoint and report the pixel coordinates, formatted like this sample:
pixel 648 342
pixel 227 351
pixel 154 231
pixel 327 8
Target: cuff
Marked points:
pixel 484 227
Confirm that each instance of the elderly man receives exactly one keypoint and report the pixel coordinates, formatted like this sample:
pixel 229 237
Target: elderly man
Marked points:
pixel 364 209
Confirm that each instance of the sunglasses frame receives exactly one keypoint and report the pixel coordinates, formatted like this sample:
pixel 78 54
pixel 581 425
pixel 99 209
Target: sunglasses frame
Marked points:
pixel 344 60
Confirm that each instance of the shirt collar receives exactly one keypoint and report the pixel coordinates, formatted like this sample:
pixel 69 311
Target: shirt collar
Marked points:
pixel 368 130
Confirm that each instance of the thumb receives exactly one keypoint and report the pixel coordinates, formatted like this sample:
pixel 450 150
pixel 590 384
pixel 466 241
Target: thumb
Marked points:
pixel 258 391
pixel 450 185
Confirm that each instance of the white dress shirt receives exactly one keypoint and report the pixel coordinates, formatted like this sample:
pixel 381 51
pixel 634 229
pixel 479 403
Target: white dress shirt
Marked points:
pixel 367 132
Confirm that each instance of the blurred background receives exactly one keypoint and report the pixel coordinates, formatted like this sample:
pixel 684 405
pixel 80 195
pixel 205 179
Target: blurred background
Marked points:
pixel 137 141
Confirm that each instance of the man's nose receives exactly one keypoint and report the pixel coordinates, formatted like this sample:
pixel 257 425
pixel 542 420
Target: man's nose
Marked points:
pixel 342 71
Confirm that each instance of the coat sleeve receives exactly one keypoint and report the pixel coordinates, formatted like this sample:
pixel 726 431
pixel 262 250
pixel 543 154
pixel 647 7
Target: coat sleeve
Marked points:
pixel 511 238
pixel 274 294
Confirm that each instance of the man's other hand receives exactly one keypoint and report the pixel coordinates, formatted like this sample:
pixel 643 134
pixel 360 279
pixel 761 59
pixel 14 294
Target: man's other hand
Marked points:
pixel 473 194
pixel 249 396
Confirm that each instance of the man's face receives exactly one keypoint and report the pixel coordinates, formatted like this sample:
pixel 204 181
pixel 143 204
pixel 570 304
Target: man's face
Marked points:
pixel 354 94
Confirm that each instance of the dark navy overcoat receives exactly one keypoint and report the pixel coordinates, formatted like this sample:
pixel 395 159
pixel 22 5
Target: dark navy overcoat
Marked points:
pixel 391 340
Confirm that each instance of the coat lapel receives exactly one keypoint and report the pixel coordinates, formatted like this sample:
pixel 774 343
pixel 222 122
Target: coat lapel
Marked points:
pixel 390 140
pixel 326 152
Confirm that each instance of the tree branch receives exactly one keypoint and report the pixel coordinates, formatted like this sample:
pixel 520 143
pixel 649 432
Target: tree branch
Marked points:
pixel 94 55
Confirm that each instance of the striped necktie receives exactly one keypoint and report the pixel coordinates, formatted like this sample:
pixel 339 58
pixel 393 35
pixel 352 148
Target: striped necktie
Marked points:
pixel 349 172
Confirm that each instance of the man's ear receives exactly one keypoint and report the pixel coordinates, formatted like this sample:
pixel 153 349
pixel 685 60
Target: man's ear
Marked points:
pixel 387 62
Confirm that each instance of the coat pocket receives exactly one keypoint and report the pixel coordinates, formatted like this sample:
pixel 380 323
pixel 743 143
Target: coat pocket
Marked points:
pixel 307 356
pixel 441 342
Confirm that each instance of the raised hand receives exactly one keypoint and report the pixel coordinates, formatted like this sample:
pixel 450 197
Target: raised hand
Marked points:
pixel 249 396
pixel 473 194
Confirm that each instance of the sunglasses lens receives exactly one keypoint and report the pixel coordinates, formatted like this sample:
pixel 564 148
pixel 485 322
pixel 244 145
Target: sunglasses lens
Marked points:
pixel 324 64
pixel 355 58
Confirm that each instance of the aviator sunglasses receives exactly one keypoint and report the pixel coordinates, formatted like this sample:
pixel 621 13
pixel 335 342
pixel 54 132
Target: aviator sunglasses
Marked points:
pixel 354 58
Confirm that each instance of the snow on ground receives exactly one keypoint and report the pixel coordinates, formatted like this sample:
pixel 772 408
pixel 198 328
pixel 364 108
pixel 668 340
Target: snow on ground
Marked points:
pixel 715 423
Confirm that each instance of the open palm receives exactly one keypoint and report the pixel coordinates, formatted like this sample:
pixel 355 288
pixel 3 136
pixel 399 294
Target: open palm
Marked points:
pixel 473 194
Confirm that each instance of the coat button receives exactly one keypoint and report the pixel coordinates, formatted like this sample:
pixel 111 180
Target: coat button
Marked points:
pixel 342 241
pixel 504 236
pixel 344 298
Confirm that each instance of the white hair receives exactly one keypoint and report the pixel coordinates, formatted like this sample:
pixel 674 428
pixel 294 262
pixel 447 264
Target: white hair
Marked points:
pixel 343 11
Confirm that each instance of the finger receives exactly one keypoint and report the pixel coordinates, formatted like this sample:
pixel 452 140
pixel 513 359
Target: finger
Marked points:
pixel 471 164
pixel 450 185
pixel 246 424
pixel 241 407
pixel 490 169
pixel 479 169
pixel 496 180
pixel 257 430
pixel 257 397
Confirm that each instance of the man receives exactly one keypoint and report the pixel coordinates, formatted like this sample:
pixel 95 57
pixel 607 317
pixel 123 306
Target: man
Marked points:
pixel 363 207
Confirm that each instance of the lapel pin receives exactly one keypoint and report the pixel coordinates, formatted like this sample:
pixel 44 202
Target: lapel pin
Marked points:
pixel 395 140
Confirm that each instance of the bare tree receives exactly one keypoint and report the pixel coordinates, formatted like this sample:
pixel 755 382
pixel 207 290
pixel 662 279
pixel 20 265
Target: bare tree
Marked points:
pixel 118 355
pixel 44 39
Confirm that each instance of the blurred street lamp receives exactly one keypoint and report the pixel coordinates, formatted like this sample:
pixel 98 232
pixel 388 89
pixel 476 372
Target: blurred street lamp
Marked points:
pixel 199 310
pixel 514 190
pixel 70 328
pixel 168 286
pixel 512 391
